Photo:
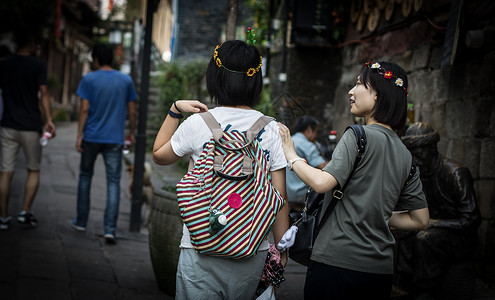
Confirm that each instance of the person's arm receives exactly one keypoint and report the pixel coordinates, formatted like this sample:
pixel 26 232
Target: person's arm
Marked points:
pixel 132 113
pixel 47 109
pixel 318 180
pixel 410 220
pixel 322 165
pixel 282 220
pixel 313 155
pixel 83 117
pixel 445 223
pixel 163 153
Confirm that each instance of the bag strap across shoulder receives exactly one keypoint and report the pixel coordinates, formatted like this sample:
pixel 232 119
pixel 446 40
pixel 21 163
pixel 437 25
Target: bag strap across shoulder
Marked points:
pixel 360 138
pixel 339 193
pixel 412 171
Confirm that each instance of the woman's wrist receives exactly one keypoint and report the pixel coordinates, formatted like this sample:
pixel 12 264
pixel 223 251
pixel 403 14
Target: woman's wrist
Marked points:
pixel 291 157
pixel 175 109
pixel 175 115
pixel 290 162
pixel 175 105
pixel 175 112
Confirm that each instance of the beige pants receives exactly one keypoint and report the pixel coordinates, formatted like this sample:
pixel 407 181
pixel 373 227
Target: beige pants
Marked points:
pixel 12 140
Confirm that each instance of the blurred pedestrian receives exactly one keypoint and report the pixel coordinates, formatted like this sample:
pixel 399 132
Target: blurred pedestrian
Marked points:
pixel 107 96
pixel 4 52
pixel 304 143
pixel 22 76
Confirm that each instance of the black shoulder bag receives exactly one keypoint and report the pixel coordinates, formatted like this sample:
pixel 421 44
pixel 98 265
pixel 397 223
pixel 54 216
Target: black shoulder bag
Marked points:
pixel 307 223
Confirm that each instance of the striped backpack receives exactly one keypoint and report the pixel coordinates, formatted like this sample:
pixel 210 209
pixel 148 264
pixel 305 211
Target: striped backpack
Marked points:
pixel 226 200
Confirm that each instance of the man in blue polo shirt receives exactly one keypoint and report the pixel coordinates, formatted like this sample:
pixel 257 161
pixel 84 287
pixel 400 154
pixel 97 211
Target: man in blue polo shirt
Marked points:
pixel 304 142
pixel 107 97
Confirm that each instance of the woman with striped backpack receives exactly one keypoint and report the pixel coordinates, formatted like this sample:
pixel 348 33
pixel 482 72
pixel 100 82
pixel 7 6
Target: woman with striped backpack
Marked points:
pixel 233 196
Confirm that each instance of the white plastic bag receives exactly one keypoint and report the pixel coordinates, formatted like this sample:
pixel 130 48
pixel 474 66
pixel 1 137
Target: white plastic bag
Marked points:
pixel 268 294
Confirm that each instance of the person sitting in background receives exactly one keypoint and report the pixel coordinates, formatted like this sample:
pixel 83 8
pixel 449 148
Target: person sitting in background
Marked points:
pixel 304 142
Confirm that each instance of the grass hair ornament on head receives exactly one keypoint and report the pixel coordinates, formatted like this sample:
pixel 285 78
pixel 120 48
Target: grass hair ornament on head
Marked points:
pixel 250 36
pixel 250 41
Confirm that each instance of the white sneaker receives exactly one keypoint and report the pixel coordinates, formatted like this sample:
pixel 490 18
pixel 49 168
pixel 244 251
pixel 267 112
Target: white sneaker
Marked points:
pixel 5 223
pixel 110 238
pixel 27 219
pixel 77 227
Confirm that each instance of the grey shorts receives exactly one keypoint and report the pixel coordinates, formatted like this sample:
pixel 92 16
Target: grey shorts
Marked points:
pixel 12 140
pixel 204 277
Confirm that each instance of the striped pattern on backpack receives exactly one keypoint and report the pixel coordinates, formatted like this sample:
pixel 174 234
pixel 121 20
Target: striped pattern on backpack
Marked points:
pixel 229 181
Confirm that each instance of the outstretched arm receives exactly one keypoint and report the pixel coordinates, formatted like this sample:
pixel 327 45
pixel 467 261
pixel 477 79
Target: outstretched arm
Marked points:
pixel 162 149
pixel 317 179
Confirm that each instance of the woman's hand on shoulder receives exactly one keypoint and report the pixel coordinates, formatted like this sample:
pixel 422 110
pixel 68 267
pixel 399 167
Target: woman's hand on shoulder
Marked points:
pixel 287 143
pixel 189 106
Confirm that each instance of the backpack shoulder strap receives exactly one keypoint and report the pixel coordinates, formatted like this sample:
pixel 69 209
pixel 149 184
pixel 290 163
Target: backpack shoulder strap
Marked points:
pixel 217 131
pixel 257 127
pixel 212 123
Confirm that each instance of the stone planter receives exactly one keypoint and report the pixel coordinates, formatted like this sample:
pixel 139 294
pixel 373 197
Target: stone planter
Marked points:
pixel 165 232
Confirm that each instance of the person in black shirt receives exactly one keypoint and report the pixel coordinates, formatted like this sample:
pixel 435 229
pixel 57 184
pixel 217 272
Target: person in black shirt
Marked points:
pixel 22 76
